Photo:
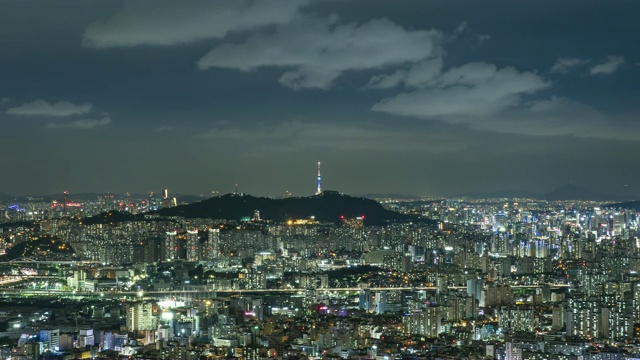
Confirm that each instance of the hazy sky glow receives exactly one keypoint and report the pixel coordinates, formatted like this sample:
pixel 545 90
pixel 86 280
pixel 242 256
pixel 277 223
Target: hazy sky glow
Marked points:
pixel 411 97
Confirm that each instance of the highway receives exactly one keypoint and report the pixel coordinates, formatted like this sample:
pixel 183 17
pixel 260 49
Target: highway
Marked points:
pixel 11 280
pixel 205 292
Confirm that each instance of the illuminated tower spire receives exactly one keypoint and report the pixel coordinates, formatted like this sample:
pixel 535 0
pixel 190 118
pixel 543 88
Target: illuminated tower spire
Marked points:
pixel 319 181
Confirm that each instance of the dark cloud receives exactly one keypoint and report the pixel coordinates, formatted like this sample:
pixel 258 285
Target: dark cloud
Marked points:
pixel 563 65
pixel 43 108
pixel 167 22
pixel 318 51
pixel 419 75
pixel 423 97
pixel 608 67
pixel 464 93
pixel 164 128
pixel 83 124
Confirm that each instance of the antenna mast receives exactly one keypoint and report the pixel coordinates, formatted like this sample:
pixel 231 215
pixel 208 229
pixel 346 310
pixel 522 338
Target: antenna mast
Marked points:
pixel 319 181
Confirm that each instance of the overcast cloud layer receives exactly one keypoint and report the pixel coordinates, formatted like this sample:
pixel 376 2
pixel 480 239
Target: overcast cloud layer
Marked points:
pixel 317 51
pixel 168 22
pixel 415 97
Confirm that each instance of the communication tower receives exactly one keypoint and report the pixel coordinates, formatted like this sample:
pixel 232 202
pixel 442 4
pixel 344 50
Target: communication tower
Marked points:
pixel 319 181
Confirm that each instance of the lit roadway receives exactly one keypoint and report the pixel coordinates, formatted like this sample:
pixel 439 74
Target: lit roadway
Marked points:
pixel 166 293
pixel 54 262
pixel 11 281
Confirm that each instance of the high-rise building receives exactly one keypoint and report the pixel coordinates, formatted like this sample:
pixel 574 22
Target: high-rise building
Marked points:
pixel 172 247
pixel 426 322
pixel 114 341
pixel 152 201
pixel 86 338
pixel 50 339
pixel 140 316
pixel 148 251
pixel 192 245
pixel 168 202
pixel 498 295
pixel 212 247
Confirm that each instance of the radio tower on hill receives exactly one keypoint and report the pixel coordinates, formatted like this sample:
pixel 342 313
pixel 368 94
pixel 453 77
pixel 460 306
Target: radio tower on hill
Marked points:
pixel 319 181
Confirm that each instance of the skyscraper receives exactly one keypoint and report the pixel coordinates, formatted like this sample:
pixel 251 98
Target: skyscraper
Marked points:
pixel 139 316
pixel 50 339
pixel 172 247
pixel 212 249
pixel 192 245
pixel 168 202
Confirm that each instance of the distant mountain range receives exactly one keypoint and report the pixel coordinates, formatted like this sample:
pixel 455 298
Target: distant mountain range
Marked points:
pixel 566 192
pixel 509 193
pixel 329 206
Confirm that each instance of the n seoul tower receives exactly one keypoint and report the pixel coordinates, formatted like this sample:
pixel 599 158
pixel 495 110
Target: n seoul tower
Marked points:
pixel 319 181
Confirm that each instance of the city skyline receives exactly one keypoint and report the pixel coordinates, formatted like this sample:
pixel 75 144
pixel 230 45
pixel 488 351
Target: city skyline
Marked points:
pixel 426 98
pixel 568 191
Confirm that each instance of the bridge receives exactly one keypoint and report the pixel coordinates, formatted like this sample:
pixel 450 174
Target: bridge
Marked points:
pixel 211 293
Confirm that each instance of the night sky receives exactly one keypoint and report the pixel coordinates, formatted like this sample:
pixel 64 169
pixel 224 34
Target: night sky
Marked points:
pixel 405 97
